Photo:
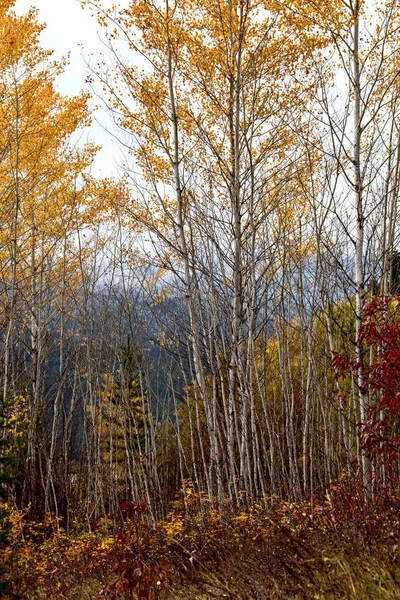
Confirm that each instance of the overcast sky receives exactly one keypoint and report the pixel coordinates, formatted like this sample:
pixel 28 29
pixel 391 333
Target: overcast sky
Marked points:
pixel 68 26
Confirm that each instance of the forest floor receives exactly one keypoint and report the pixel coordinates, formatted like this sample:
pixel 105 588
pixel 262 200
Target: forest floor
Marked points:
pixel 336 548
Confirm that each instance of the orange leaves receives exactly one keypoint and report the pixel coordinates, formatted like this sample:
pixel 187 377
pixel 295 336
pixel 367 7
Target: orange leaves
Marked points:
pixel 19 38
pixel 188 58
pixel 39 167
pixel 318 18
pixel 45 197
pixel 104 199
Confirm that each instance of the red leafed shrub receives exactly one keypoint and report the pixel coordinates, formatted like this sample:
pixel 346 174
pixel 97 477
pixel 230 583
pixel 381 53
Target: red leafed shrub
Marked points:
pixel 136 576
pixel 380 333
pixel 136 580
pixel 134 510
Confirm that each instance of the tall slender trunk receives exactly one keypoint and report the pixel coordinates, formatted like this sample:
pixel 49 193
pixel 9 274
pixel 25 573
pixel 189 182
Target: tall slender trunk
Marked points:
pixel 359 245
pixel 14 251
pixel 189 283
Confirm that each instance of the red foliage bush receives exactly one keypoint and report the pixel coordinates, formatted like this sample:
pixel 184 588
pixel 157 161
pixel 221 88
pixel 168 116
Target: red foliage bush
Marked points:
pixel 136 577
pixel 380 334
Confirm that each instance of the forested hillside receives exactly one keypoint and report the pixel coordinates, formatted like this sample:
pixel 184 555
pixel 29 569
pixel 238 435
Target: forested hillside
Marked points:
pixel 200 357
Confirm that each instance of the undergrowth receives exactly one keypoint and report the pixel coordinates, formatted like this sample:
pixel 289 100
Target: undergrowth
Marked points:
pixel 340 547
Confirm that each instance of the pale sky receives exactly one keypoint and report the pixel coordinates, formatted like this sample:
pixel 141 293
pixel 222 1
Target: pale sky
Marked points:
pixel 68 26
